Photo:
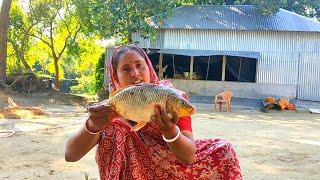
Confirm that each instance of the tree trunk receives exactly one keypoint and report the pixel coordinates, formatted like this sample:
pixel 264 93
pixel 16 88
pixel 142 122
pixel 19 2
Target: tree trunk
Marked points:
pixel 57 79
pixel 129 38
pixel 20 55
pixel 4 23
pixel 25 64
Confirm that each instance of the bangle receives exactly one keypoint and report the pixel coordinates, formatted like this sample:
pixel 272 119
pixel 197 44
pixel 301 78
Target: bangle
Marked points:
pixel 172 139
pixel 88 131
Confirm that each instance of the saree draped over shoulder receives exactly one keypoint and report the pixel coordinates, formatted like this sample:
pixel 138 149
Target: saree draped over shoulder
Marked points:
pixel 125 154
pixel 144 155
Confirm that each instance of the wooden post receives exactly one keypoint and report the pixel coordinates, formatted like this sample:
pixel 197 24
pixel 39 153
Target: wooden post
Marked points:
pixel 191 66
pixel 239 69
pixel 224 62
pixel 208 68
pixel 174 66
pixel 160 66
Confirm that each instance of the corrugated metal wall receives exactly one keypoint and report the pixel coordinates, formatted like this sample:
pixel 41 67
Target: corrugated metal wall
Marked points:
pixel 278 68
pixel 279 63
pixel 309 77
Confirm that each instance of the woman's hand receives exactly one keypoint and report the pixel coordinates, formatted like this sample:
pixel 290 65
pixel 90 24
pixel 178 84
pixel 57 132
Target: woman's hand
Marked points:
pixel 80 143
pixel 99 116
pixel 163 119
pixel 183 147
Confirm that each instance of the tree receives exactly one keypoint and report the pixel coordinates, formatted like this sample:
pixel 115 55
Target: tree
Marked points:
pixel 309 8
pixel 20 26
pixel 116 18
pixel 4 21
pixel 58 27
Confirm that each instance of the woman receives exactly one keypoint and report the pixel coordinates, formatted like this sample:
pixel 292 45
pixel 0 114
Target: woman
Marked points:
pixel 158 150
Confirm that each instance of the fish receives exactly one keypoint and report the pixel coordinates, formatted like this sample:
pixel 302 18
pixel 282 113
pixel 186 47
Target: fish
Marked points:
pixel 136 102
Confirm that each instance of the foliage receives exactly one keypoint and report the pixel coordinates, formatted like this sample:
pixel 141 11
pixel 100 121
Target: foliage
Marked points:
pixel 309 8
pixel 13 65
pixel 60 37
pixel 99 73
pixel 204 2
pixel 86 85
pixel 57 28
pixel 116 18
pixel 18 33
pixel 83 66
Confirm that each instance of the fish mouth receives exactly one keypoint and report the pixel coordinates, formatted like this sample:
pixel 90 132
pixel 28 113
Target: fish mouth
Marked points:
pixel 187 112
pixel 192 111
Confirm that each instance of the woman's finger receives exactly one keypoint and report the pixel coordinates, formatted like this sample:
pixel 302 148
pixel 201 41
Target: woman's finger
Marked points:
pixel 98 108
pixel 153 119
pixel 98 116
pixel 175 116
pixel 164 116
pixel 101 110
pixel 157 115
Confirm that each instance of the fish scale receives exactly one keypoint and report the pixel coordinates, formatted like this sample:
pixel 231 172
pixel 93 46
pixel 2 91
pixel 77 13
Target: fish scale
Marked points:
pixel 136 103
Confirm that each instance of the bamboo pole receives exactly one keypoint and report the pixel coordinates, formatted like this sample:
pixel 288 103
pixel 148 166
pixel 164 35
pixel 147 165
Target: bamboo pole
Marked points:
pixel 191 66
pixel 208 68
pixel 224 62
pixel 160 66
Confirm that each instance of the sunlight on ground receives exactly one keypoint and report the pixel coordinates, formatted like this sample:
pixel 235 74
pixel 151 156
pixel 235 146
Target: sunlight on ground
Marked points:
pixel 21 112
pixel 27 127
pixel 269 146
pixel 317 143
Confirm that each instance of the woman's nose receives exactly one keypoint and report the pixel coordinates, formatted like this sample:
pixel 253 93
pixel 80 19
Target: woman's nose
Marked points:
pixel 135 72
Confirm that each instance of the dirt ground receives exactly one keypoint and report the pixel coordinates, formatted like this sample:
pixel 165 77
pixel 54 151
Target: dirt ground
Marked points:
pixel 269 145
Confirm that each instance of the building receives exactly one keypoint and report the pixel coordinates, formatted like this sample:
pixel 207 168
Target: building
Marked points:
pixel 208 49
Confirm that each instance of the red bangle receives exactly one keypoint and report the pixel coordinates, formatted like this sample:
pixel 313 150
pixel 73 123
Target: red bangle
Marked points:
pixel 90 132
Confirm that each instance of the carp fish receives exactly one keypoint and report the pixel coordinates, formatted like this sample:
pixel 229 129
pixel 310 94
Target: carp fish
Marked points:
pixel 136 102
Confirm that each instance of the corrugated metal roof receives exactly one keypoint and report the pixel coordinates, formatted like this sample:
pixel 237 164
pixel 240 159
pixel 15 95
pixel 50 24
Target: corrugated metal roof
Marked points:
pixel 234 17
pixel 188 52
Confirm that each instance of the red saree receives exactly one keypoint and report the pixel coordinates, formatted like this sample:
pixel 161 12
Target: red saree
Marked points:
pixel 125 154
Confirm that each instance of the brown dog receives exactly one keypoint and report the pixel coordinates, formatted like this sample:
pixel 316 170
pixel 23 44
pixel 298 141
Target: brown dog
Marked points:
pixel 221 98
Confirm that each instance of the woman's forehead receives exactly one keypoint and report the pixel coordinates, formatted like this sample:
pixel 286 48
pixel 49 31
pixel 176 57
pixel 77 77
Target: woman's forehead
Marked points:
pixel 130 57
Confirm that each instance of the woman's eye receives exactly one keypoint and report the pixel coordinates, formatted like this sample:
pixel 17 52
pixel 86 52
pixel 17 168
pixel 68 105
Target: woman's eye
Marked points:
pixel 139 65
pixel 127 69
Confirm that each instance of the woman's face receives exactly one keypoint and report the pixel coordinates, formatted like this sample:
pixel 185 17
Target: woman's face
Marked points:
pixel 132 69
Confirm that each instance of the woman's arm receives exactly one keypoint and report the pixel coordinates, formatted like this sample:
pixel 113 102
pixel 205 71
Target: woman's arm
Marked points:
pixel 184 147
pixel 83 141
pixel 80 144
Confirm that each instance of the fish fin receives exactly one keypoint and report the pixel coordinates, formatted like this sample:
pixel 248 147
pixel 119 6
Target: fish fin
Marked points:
pixel 139 126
